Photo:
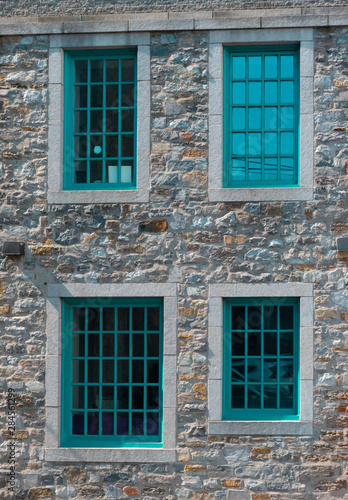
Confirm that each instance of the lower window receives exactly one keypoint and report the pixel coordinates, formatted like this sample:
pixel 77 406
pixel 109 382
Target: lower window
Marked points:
pixel 261 359
pixel 112 353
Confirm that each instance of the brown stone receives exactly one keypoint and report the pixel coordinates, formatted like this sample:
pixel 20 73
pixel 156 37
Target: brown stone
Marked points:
pixel 74 475
pixel 67 267
pixel 40 493
pixel 309 214
pixel 305 267
pixel 200 391
pixel 339 484
pixel 91 491
pixel 194 468
pixel 342 255
pixel 212 438
pixel 42 250
pixel 19 435
pixel 260 450
pixel 5 309
pixel 187 311
pixel 342 408
pixel 261 496
pixel 47 241
pixel 338 227
pixel 326 313
pixel 231 483
pixel 154 226
pixel 131 249
pixel 130 490
pixel 341 421
pixel 195 152
pixel 344 316
pixel 187 136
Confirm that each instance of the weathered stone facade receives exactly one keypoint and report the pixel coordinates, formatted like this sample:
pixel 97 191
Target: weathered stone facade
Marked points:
pixel 178 237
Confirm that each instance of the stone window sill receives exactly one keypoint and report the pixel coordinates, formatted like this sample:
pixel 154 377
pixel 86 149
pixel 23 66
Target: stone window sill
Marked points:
pixel 260 428
pixel 110 455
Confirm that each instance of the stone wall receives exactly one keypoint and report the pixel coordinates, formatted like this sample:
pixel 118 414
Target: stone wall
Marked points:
pixel 10 8
pixel 202 243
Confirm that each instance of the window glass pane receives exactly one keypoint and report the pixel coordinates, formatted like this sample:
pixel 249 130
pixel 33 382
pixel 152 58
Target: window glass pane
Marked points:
pixel 286 316
pixel 122 424
pixel 238 118
pixel 271 169
pixel 122 345
pixel 111 96
pixel 93 345
pixel 286 66
pixel 137 397
pixel 78 319
pixel 137 424
pixel 81 71
pixel 287 168
pixel 270 370
pixel 107 424
pixel 254 93
pixel 254 396
pixel 152 398
pixel 127 70
pixel 78 396
pixel 270 143
pixel 127 145
pixel 238 93
pixel 111 120
pixel 152 424
pixel 270 343
pixel 127 120
pixel 122 371
pixel 286 344
pixel 93 396
pixel 108 397
pixel 254 66
pixel 80 149
pixel 238 370
pixel 237 396
pixel 286 117
pixel 93 370
pixel 286 396
pixel 123 318
pixel 152 345
pixel 111 146
pixel 271 66
pixel 112 70
pixel 254 118
pixel 271 92
pixel 286 369
pixel 93 318
pixel 254 146
pixel 92 423
pixel 270 317
pixel 286 92
pixel 238 318
pixel 254 317
pixel 122 397
pixel 78 345
pixel 286 143
pixel 238 144
pixel 80 121
pixel 153 371
pixel 78 373
pixel 270 396
pixel 81 92
pixel 153 316
pixel 80 172
pixel 254 344
pixel 96 96
pixel 238 169
pixel 138 371
pixel 238 67
pixel 96 71
pixel 96 171
pixel 96 120
pixel 108 340
pixel 138 315
pixel 108 371
pixel 96 146
pixel 238 344
pixel 126 171
pixel 138 345
pixel 127 95
pixel 254 167
pixel 108 318
pixel 271 118
pixel 78 423
pixel 254 370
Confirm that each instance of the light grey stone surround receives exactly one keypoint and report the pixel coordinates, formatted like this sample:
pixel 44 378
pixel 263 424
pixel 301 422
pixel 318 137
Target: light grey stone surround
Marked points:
pixel 53 451
pixel 58 43
pixel 306 153
pixel 215 341
pixel 172 21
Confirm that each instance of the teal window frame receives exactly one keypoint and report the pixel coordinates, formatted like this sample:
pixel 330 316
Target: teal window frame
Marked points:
pixel 70 439
pixel 229 108
pixel 69 158
pixel 240 414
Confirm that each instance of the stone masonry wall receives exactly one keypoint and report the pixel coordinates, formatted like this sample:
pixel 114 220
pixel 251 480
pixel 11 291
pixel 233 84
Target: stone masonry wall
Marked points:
pixel 10 8
pixel 204 243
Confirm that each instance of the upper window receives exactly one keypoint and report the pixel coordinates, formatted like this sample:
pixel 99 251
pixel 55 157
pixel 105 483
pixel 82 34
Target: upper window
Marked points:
pixel 100 120
pixel 112 373
pixel 261 362
pixel 261 118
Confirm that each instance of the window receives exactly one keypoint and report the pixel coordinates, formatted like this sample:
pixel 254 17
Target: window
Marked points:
pixel 261 125
pixel 112 372
pixel 261 359
pixel 100 118
pixel 261 116
pixel 260 379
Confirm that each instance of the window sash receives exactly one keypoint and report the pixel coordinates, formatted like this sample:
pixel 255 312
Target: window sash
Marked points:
pixel 261 359
pixel 101 170
pixel 254 154
pixel 92 419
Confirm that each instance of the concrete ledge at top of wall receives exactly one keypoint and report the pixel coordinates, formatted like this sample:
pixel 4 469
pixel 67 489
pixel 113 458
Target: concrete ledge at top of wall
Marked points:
pixel 171 21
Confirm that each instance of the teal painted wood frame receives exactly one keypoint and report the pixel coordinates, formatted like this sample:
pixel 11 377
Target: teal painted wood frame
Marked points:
pixel 248 50
pixel 68 439
pixel 229 413
pixel 68 151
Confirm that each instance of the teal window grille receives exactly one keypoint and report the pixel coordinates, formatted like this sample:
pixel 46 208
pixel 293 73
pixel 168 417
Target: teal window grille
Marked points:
pixel 112 354
pixel 100 120
pixel 261 359
pixel 261 116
